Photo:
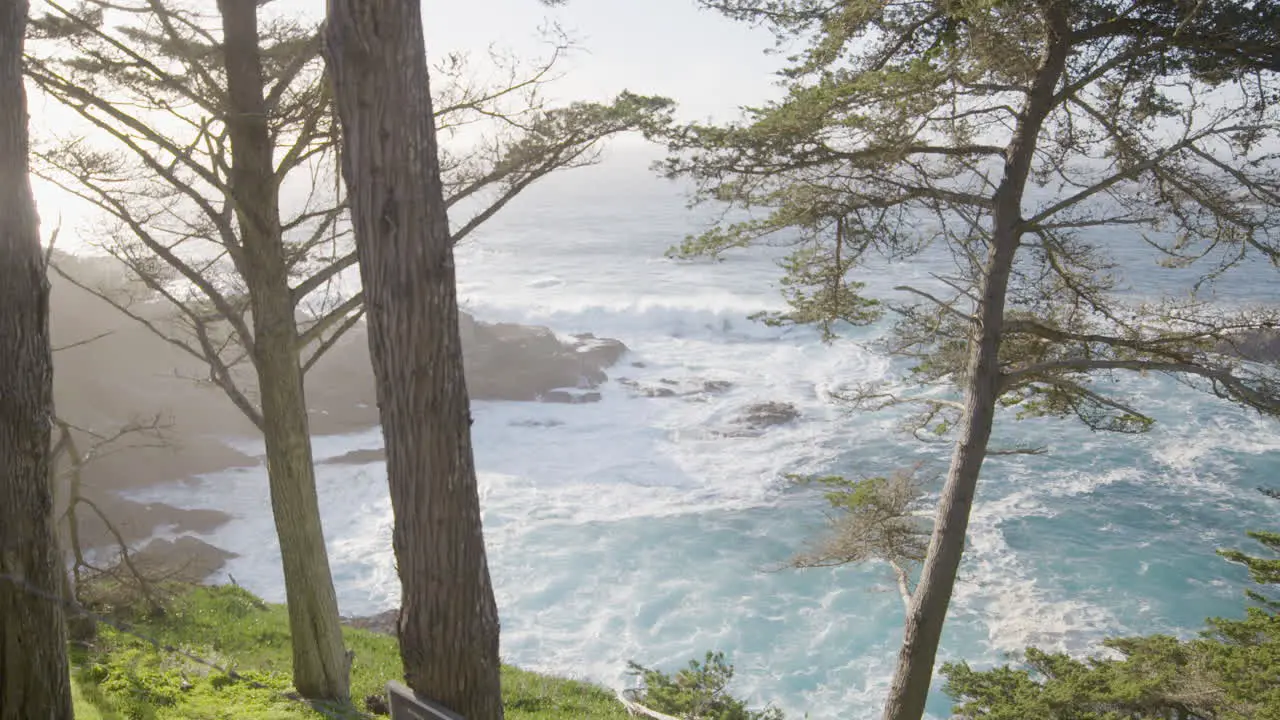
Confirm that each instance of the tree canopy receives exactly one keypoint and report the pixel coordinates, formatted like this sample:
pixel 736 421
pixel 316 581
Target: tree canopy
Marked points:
pixel 1227 673
pixel 1012 148
pixel 893 143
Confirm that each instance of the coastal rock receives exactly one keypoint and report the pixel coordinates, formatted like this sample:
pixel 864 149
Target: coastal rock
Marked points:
pixel 357 457
pixel 502 361
pixel 506 361
pixel 186 559
pixel 383 623
pixel 568 397
pixel 151 378
pixel 715 387
pixel 134 521
pixel 766 415
pixel 599 352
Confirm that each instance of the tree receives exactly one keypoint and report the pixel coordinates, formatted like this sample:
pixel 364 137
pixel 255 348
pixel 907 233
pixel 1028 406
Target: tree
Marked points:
pixel 229 199
pixel 876 518
pixel 1008 137
pixel 448 628
pixel 1229 672
pixel 34 678
pixel 699 691
pixel 321 667
pixel 126 571
pixel 1264 571
pixel 195 194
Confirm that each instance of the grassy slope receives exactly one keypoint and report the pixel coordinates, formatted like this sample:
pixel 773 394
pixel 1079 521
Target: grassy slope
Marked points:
pixel 122 678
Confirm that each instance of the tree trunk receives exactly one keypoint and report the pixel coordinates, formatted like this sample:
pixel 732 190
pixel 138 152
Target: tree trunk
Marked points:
pixel 321 669
pixel 909 690
pixel 81 626
pixel 449 622
pixel 34 679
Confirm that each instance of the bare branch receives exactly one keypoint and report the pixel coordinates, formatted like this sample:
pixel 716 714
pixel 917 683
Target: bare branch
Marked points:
pixel 947 307
pixel 334 316
pixel 111 202
pixel 328 343
pixel 220 373
pixel 86 341
pixel 322 276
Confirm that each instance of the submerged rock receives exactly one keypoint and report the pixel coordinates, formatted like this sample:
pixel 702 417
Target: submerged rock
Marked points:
pixel 568 397
pixel 767 414
pixel 754 420
pixel 536 423
pixel 716 386
pixel 667 388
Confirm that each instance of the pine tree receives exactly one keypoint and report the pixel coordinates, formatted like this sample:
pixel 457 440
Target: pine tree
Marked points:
pixel 448 626
pixel 1230 672
pixel 204 119
pixel 34 679
pixel 1014 137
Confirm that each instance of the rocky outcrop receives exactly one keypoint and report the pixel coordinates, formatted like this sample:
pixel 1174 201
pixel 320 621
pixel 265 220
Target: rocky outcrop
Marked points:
pixel 750 421
pixel 766 415
pixel 112 371
pixel 502 361
pixel 383 623
pixel 186 559
pixel 505 361
pixel 569 397
pixel 356 457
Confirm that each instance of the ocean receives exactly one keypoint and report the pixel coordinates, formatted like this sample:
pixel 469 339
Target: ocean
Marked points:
pixel 627 530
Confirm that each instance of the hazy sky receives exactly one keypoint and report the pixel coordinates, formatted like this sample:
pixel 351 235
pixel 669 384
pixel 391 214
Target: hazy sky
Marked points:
pixel 708 64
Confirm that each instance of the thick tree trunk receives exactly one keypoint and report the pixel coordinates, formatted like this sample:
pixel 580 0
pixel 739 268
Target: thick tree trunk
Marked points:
pixel 449 622
pixel 34 679
pixel 321 669
pixel 909 690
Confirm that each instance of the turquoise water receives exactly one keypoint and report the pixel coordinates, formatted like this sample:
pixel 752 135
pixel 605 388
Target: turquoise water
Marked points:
pixel 625 530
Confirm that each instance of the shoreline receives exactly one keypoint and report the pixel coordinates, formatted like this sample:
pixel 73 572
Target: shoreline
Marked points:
pixel 142 413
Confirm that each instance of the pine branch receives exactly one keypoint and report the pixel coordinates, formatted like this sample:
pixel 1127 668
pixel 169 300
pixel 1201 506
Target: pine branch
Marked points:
pixel 110 202
pixel 139 60
pixel 1266 400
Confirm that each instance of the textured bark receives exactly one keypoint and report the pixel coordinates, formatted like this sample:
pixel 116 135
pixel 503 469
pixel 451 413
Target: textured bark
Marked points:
pixel 449 623
pixel 34 680
pixel 913 674
pixel 321 669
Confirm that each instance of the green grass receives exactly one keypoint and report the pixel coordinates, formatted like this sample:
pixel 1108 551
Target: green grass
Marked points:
pixel 120 677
